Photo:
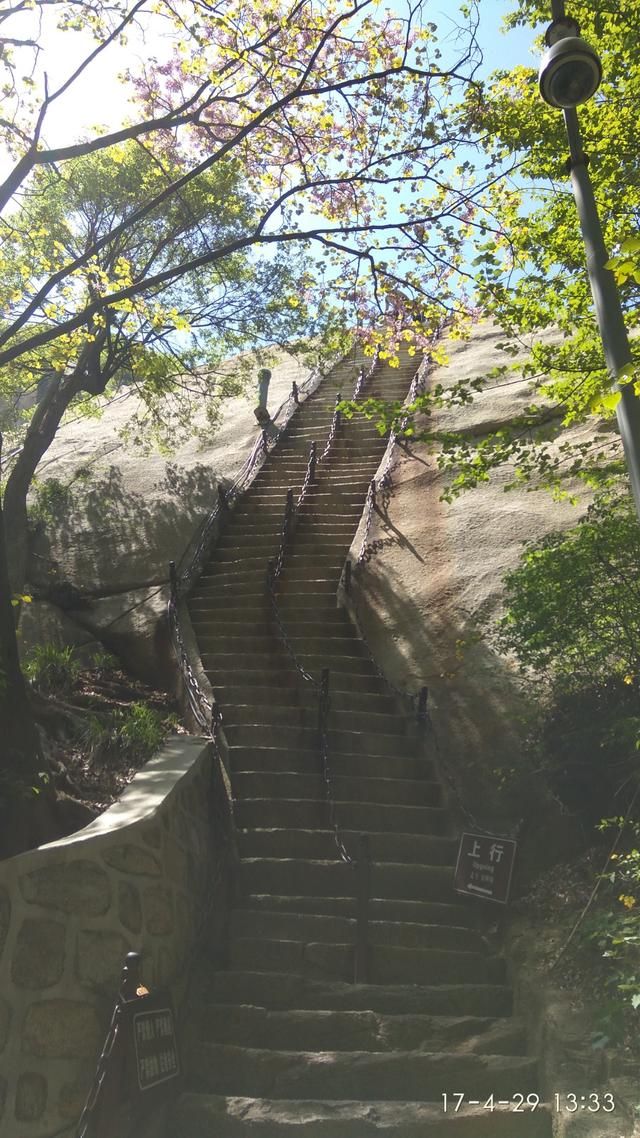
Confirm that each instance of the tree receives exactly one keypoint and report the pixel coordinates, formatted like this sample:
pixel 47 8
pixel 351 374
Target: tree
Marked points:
pixel 330 109
pixel 530 271
pixel 164 345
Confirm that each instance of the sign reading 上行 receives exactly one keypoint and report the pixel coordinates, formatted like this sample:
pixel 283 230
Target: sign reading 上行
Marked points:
pixel 484 866
pixel 155 1047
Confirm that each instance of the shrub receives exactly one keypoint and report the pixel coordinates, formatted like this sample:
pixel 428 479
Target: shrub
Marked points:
pixel 51 668
pixel 133 734
pixel 573 603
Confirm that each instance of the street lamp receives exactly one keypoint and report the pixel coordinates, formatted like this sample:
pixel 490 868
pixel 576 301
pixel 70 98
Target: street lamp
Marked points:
pixel 570 73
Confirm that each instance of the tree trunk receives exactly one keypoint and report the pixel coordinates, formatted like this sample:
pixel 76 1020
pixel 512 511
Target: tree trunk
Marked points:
pixel 87 376
pixel 27 803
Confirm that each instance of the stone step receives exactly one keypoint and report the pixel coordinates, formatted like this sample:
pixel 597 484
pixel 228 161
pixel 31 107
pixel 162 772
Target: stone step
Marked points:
pixel 264 538
pixel 319 497
pixel 341 740
pixel 304 696
pixel 223 661
pixel 294 715
pixel 388 964
pixel 283 667
pixel 422 849
pixel 313 928
pixel 280 991
pixel 243 640
pixel 247 1025
pixel 400 1075
pixel 205 1116
pixel 308 762
pixel 462 912
pixel 254 557
pixel 300 876
pixel 360 816
pixel 280 760
pixel 317 597
pixel 286 784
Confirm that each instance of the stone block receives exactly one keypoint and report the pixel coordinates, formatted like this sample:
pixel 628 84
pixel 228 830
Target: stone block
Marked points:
pixel 73 1095
pixel 31 1097
pixel 5 917
pixel 5 1022
pixel 133 859
pixel 129 906
pixel 61 1029
pixel 158 909
pixel 100 957
pixel 73 887
pixel 38 960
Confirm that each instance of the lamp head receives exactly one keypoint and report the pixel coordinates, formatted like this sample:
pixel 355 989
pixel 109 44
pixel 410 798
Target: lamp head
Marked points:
pixel 570 71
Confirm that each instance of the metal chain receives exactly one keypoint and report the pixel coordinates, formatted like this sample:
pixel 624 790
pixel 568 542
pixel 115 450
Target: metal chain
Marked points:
pixel 333 430
pixel 99 1077
pixel 262 447
pixel 324 704
pixel 369 507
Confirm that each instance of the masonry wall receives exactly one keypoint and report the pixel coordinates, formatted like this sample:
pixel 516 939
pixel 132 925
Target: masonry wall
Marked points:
pixel 134 880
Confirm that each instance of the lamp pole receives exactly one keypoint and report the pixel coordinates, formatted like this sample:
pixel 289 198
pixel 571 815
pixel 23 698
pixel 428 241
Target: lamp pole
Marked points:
pixel 604 291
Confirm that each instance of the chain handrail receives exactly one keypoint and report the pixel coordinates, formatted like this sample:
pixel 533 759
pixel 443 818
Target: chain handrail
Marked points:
pixel 333 430
pixel 324 704
pixel 363 375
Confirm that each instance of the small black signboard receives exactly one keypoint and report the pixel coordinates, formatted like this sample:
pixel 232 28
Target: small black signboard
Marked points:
pixel 484 867
pixel 156 1048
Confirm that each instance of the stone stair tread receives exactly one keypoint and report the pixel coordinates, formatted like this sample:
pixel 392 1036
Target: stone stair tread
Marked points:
pixel 399 1075
pixel 388 963
pixel 312 927
pixel 366 816
pixel 285 990
pixel 406 848
pixel 420 912
pixel 293 1028
pixel 241 1117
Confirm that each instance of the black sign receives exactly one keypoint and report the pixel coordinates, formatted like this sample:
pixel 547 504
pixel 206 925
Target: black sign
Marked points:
pixel 484 867
pixel 155 1044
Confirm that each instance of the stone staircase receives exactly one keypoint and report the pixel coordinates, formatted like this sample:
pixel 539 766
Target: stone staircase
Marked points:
pixel 282 1038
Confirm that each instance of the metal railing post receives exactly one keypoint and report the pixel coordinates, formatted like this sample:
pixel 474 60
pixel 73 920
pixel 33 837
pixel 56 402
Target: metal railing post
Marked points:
pixel 323 702
pixel 312 462
pixel 295 393
pixel 347 576
pixel 422 713
pixel 173 580
pixel 363 893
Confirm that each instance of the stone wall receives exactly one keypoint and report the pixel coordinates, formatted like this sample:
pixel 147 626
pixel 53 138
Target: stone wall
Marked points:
pixel 135 879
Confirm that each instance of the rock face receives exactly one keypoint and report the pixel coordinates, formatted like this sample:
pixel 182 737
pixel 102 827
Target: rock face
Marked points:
pixel 436 567
pixel 100 563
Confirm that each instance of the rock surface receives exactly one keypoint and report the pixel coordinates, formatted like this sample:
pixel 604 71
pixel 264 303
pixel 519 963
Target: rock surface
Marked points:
pixel 437 569
pixel 99 568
